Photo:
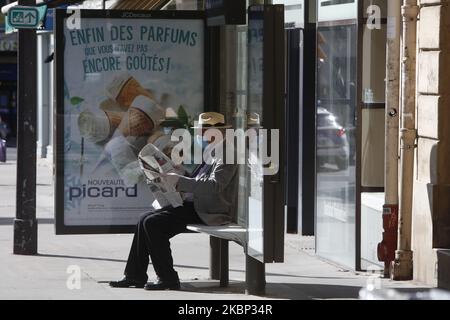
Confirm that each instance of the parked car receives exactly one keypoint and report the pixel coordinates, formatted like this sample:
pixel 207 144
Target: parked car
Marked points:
pixel 332 142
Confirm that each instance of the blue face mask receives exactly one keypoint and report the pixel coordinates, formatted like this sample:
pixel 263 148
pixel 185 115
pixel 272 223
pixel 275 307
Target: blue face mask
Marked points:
pixel 200 142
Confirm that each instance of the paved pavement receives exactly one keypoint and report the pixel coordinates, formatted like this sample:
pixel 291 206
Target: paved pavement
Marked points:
pixel 101 258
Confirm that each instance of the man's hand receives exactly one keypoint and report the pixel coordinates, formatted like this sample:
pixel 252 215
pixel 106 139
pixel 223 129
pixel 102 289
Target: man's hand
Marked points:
pixel 170 178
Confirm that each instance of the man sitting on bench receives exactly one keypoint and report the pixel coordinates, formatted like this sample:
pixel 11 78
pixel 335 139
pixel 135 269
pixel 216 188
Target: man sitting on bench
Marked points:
pixel 210 197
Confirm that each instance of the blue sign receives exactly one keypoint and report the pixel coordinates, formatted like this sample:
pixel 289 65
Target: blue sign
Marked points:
pixel 21 17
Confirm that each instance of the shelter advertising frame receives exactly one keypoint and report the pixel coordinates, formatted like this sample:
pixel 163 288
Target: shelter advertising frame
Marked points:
pixel 129 23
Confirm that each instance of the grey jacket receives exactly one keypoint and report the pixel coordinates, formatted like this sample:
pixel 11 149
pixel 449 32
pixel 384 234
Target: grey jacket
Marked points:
pixel 215 192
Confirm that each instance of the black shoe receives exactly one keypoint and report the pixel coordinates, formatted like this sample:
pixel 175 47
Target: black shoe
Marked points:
pixel 127 283
pixel 163 285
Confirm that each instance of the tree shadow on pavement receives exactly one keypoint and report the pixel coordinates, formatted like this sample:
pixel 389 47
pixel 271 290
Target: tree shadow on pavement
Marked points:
pixel 180 266
pixel 301 291
pixel 213 287
pixel 10 221
pixel 44 255
pixel 290 291
pixel 278 290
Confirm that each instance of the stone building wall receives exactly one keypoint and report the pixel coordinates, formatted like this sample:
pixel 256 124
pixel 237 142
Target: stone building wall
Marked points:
pixel 431 207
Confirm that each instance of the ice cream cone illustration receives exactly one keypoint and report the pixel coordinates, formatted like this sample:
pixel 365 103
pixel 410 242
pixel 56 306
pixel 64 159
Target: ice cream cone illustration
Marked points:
pixel 115 118
pixel 121 154
pixel 124 89
pixel 136 123
pixel 94 127
pixel 142 117
pixel 97 127
pixel 111 105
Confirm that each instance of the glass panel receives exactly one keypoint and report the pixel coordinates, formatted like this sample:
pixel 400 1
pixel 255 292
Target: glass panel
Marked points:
pixel 241 111
pixel 188 4
pixel 294 12
pixel 373 113
pixel 255 179
pixel 373 131
pixel 336 147
pixel 333 10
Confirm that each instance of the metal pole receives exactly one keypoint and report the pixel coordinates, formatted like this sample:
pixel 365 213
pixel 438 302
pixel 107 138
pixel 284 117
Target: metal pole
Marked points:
pixel 402 267
pixel 25 224
pixel 214 262
pixel 255 276
pixel 386 249
pixel 224 263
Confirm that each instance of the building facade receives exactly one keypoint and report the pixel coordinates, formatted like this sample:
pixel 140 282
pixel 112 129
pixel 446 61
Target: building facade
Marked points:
pixel 431 207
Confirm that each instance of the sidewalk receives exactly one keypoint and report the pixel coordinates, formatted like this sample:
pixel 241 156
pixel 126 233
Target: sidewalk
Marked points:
pixel 102 258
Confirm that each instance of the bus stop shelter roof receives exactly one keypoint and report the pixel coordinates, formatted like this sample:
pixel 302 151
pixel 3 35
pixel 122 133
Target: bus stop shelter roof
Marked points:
pixel 98 4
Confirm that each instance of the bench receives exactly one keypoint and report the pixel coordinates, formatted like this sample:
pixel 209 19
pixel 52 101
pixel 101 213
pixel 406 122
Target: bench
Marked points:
pixel 219 256
pixel 230 232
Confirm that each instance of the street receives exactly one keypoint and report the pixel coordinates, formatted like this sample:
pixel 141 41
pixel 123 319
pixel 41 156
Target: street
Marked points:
pixel 101 258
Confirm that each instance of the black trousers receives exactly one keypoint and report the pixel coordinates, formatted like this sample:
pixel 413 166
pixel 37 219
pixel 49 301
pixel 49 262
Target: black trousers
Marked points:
pixel 151 239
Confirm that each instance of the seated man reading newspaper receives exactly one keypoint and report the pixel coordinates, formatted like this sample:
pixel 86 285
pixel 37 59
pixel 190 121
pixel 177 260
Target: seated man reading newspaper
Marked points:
pixel 206 196
pixel 155 165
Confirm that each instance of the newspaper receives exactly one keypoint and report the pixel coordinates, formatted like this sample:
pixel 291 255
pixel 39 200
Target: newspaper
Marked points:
pixel 154 162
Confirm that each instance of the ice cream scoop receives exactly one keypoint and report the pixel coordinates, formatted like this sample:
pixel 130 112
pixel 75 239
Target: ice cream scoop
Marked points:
pixel 124 89
pixel 97 127
pixel 142 117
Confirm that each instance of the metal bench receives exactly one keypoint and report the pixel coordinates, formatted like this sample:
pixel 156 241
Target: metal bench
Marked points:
pixel 230 232
pixel 219 238
pixel 219 257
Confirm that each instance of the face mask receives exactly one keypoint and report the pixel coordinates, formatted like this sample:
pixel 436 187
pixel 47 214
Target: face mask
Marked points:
pixel 200 142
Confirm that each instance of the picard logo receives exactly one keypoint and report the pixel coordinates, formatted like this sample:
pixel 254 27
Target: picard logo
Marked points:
pixel 102 192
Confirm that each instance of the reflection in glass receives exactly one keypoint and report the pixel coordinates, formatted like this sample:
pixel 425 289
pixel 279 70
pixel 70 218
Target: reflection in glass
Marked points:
pixel 373 118
pixel 373 107
pixel 239 115
pixel 255 105
pixel 336 147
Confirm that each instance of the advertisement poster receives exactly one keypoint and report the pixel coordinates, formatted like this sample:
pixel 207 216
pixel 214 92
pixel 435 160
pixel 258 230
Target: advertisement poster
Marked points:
pixel 119 77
